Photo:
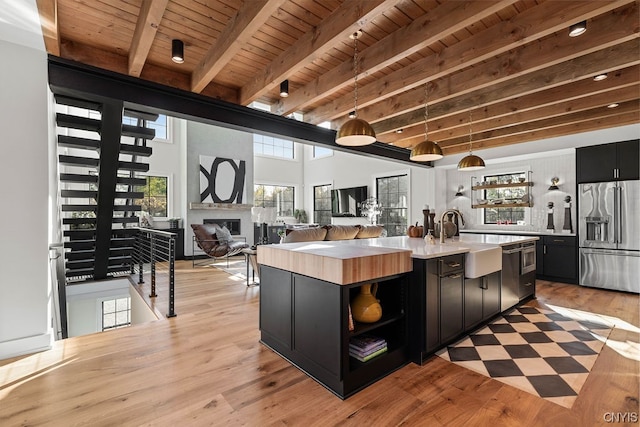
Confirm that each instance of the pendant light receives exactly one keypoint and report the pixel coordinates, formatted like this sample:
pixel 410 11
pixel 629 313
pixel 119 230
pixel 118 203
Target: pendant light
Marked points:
pixel 470 162
pixel 355 132
pixel 427 150
pixel 177 51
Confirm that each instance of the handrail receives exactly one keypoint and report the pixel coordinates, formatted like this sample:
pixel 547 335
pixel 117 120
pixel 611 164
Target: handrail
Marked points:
pixel 154 247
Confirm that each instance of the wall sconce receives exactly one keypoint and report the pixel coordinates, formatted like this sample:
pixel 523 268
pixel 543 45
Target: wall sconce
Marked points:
pixel 177 51
pixel 459 193
pixel 554 183
pixel 576 29
pixel 284 88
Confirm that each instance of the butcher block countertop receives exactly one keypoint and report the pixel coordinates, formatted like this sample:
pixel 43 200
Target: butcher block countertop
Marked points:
pixel 351 261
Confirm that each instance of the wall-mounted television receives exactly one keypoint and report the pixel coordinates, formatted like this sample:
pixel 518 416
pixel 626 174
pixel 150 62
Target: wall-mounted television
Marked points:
pixel 347 201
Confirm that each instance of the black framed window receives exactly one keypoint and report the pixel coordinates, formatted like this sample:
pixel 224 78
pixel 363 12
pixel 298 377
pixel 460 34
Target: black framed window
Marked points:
pixel 322 204
pixel 280 197
pixel 156 196
pixel 393 194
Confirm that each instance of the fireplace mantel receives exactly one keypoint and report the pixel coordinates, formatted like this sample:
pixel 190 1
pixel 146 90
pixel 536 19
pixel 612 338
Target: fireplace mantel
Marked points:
pixel 220 206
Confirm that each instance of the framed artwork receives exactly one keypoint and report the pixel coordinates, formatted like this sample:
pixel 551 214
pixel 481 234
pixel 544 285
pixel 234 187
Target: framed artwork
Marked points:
pixel 222 180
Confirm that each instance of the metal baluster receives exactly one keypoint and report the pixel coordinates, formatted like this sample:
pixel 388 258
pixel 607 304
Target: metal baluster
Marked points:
pixel 152 255
pixel 172 247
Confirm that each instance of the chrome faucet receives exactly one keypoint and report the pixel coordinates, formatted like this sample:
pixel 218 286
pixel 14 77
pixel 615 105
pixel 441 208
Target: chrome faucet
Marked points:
pixel 455 211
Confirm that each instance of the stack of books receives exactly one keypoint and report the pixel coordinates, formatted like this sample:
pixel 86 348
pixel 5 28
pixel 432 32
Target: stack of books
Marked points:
pixel 366 347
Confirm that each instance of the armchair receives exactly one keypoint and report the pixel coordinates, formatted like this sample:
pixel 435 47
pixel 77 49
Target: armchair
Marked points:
pixel 213 241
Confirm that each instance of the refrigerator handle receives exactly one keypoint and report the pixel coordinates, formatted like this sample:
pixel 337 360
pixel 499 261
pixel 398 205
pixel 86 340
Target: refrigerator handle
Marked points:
pixel 618 201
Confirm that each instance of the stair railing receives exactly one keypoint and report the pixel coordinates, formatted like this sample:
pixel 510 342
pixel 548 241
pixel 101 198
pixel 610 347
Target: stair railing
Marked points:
pixel 154 256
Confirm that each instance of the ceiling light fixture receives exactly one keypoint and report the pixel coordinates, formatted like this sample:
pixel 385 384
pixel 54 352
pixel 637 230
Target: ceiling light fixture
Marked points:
pixel 554 183
pixel 355 132
pixel 600 77
pixel 613 105
pixel 352 114
pixel 577 29
pixel 284 88
pixel 177 51
pixel 426 151
pixel 470 162
pixel 459 193
pixel 399 130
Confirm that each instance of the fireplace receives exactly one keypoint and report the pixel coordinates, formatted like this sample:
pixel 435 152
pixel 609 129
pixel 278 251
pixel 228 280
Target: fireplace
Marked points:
pixel 233 225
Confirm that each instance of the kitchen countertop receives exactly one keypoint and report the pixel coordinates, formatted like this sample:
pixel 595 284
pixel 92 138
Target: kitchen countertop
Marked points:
pixel 516 232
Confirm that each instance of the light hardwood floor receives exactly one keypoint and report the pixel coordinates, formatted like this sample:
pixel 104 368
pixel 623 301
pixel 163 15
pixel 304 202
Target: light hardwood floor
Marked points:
pixel 206 367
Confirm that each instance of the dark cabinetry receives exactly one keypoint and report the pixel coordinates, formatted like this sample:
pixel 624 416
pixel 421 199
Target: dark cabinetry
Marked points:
pixel 481 299
pixel 557 258
pixel 306 320
pixel 608 162
pixel 437 306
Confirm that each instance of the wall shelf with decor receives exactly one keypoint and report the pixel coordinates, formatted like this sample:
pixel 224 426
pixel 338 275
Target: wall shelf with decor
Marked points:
pixel 522 197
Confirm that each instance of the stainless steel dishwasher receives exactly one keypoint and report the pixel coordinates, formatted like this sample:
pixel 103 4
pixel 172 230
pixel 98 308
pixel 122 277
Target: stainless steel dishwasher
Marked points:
pixel 510 286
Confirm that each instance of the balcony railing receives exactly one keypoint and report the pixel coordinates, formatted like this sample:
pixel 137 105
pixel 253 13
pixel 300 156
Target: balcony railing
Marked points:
pixel 154 257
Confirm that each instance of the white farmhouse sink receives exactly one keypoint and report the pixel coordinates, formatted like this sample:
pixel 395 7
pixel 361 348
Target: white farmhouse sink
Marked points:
pixel 482 260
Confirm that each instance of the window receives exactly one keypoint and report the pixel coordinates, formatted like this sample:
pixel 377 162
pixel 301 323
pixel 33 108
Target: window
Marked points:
pixel 273 147
pixel 116 313
pixel 392 193
pixel 322 204
pixel 160 125
pixel 505 215
pixel 274 196
pixel 319 152
pixel 156 195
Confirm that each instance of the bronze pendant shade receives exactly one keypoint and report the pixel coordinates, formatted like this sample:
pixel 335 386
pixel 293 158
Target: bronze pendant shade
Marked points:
pixel 426 151
pixel 471 162
pixel 356 132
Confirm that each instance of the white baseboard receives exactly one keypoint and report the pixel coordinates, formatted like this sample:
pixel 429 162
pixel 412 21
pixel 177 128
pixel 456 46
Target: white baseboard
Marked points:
pixel 27 345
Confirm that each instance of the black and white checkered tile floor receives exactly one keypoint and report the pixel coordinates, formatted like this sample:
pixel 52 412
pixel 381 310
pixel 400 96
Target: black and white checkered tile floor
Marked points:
pixel 546 352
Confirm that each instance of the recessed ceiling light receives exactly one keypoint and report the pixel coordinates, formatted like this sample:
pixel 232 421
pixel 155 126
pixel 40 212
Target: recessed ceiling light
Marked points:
pixel 577 29
pixel 613 105
pixel 600 77
pixel 399 130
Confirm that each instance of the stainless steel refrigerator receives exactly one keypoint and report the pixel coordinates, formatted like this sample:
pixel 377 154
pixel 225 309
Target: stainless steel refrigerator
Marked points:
pixel 609 233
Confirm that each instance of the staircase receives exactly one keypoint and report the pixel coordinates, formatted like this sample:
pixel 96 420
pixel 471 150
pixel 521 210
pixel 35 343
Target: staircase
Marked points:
pixel 99 163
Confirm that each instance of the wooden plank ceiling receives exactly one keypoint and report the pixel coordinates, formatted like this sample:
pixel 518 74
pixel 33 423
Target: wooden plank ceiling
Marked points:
pixel 496 72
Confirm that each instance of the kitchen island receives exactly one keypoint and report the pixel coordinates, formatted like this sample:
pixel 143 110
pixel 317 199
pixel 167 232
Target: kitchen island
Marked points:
pixel 307 288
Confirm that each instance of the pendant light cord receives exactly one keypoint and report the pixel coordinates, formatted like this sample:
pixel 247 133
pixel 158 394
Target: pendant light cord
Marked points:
pixel 426 111
pixel 355 74
pixel 470 143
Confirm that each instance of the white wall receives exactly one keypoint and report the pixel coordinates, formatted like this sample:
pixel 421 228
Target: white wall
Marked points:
pixel 25 290
pixel 560 164
pixel 351 170
pixel 214 141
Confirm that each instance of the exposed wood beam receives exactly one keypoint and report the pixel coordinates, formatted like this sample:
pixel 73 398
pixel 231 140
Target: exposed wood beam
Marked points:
pixel 601 111
pixel 242 26
pixel 531 25
pixel 119 64
pixel 48 11
pixel 508 76
pixel 151 12
pixel 596 123
pixel 345 20
pixel 436 24
pixel 622 85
